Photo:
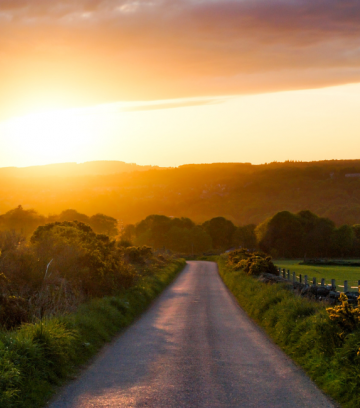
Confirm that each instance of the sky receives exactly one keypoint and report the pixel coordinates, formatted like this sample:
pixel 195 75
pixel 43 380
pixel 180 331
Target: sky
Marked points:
pixel 169 82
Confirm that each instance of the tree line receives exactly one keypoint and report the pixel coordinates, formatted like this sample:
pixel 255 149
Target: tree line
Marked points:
pixel 184 236
pixel 286 234
pixel 307 235
pixel 26 221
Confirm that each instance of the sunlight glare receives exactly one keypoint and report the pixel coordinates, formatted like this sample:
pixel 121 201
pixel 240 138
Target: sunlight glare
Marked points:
pixel 52 136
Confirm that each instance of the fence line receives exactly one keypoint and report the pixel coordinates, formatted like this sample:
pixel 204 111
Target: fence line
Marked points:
pixel 286 275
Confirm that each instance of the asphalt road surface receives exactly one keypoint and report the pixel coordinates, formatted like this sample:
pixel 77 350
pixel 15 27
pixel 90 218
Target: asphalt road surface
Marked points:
pixel 193 348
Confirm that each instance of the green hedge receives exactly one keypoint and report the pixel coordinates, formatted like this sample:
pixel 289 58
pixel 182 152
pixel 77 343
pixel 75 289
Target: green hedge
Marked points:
pixel 304 331
pixel 37 357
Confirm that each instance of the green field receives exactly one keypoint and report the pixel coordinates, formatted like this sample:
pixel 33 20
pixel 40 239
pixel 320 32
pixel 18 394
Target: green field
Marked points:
pixel 339 273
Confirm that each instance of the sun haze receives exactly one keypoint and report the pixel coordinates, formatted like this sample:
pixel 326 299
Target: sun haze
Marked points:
pixel 96 79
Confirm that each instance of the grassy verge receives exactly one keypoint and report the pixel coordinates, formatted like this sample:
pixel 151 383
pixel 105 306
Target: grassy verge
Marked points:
pixel 37 357
pixel 303 330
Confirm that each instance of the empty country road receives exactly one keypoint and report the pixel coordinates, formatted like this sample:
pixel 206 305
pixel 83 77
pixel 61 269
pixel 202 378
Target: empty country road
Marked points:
pixel 194 347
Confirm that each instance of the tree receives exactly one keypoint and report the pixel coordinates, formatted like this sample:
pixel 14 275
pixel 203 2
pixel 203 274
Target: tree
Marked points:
pixel 221 232
pixel 317 234
pixel 356 229
pixel 158 225
pixel 128 233
pixel 21 221
pixel 283 234
pixel 103 224
pixel 188 241
pixel 72 215
pixel 200 240
pixel 245 237
pixel 178 239
pixel 317 241
pixel 356 247
pixel 182 223
pixel 342 241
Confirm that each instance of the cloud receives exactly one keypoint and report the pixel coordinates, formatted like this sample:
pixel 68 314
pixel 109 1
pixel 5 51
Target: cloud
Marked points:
pixel 96 51
pixel 158 105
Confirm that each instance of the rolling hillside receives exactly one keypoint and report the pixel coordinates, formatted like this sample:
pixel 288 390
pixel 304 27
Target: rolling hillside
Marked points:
pixel 241 192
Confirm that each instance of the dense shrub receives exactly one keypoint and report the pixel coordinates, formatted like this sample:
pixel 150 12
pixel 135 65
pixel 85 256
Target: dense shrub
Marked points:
pixel 253 263
pixel 124 243
pixel 10 377
pixel 64 264
pixel 256 265
pixel 92 262
pixel 14 310
pixel 238 255
pixel 10 239
pixel 345 316
pixel 138 254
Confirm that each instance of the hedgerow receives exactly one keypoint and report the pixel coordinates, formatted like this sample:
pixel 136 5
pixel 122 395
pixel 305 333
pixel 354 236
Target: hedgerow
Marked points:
pixel 37 357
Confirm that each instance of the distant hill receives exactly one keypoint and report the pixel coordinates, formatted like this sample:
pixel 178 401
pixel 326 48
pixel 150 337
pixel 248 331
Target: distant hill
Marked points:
pixel 241 192
pixel 74 169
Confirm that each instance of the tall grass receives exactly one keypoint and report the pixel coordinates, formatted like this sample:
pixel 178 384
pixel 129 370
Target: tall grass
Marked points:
pixel 37 357
pixel 304 331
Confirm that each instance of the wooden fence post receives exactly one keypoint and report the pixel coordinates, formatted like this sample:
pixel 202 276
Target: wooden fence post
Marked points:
pixel 314 281
pixel 306 280
pixel 294 277
pixel 284 273
pixel 346 287
pixel 333 285
pixel 300 278
pixel 322 282
pixel 288 274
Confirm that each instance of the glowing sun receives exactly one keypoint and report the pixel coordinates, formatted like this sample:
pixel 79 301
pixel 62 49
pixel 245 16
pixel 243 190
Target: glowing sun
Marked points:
pixel 51 137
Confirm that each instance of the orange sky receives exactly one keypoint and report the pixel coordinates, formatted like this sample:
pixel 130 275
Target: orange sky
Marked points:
pixel 86 53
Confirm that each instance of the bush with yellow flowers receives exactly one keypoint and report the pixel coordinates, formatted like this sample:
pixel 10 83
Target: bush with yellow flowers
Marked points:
pixel 345 315
pixel 252 263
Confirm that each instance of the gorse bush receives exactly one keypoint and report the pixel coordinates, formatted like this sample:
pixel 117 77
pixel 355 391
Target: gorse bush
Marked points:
pixel 253 263
pixel 234 257
pixel 64 264
pixel 345 316
pixel 92 262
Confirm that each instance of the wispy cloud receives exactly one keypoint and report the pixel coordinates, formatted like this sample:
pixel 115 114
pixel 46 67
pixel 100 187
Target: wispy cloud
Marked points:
pixel 108 50
pixel 170 104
